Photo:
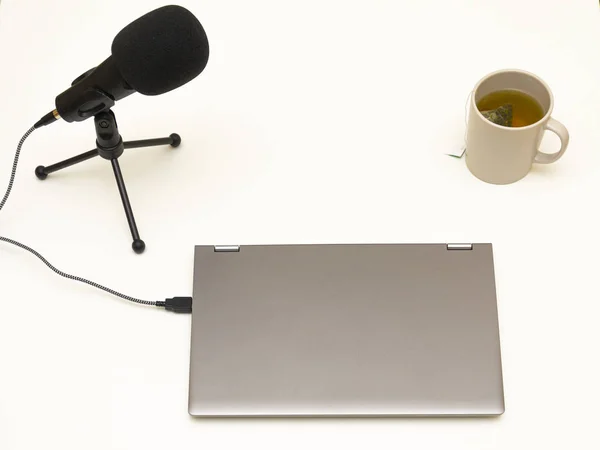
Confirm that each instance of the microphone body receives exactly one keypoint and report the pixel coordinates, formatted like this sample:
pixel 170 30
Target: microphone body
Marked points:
pixel 95 91
pixel 158 52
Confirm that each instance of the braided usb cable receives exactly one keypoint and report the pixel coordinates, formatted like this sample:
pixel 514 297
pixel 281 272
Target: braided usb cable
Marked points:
pixel 13 173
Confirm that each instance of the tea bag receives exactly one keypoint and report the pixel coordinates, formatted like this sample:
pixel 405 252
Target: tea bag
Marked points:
pixel 500 116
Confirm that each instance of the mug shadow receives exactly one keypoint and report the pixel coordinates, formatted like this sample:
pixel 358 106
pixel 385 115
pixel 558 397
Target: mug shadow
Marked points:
pixel 544 170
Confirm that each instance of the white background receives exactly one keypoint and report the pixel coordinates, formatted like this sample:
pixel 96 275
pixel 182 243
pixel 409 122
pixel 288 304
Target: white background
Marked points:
pixel 316 121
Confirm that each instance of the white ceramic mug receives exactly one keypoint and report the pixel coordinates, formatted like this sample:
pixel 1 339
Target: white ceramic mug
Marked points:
pixel 503 155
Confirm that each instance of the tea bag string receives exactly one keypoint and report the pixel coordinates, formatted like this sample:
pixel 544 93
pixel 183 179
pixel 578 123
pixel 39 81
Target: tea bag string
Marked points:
pixel 467 117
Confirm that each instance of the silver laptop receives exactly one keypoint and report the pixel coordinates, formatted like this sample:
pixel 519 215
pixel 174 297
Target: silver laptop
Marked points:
pixel 345 330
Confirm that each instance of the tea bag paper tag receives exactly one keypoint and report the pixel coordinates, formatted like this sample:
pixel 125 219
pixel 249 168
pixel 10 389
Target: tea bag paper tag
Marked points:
pixel 458 153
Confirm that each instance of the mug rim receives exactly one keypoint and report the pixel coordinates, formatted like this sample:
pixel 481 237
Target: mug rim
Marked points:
pixel 522 72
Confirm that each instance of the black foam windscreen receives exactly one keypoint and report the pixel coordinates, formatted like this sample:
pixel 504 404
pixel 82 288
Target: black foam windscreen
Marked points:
pixel 161 50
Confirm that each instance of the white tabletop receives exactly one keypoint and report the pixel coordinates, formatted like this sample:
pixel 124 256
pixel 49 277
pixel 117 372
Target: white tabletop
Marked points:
pixel 322 121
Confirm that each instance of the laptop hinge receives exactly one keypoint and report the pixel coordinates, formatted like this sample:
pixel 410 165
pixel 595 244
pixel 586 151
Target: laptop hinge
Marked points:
pixel 459 246
pixel 227 248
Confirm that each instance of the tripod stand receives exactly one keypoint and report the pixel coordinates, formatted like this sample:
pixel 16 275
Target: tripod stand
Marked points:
pixel 110 145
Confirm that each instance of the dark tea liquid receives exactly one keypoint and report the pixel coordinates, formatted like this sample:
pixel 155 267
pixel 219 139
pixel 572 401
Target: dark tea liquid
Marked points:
pixel 526 109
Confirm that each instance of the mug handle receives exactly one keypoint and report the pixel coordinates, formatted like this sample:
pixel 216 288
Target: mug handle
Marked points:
pixel 561 131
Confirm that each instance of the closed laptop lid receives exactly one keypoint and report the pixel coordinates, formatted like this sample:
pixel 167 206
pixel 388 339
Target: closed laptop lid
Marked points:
pixel 345 330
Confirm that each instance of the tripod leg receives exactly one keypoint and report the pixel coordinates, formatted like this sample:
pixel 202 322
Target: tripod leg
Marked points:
pixel 42 172
pixel 173 140
pixel 138 245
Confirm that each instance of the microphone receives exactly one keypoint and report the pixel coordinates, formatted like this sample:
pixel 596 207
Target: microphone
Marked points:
pixel 158 52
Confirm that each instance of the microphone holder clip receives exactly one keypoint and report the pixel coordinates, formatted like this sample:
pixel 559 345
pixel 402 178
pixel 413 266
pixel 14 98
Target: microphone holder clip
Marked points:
pixel 110 146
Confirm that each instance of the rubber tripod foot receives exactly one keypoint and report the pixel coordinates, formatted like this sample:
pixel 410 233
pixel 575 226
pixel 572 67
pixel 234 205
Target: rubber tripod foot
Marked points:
pixel 138 246
pixel 176 140
pixel 40 172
